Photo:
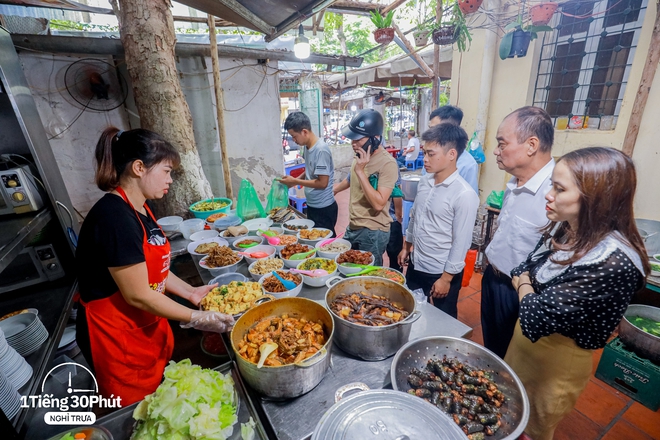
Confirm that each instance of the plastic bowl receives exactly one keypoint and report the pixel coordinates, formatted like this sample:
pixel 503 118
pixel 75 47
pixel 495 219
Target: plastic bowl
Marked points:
pixel 231 220
pixel 190 226
pixel 204 214
pixel 257 276
pixel 278 231
pixel 230 240
pixel 333 255
pixel 257 223
pixel 171 223
pixel 217 271
pixel 297 222
pixel 292 264
pixel 227 278
pixel 270 250
pixel 279 247
pixel 247 238
pixel 317 281
pixel 203 235
pixel 313 242
pixel 348 270
pixel 288 293
pixel 655 264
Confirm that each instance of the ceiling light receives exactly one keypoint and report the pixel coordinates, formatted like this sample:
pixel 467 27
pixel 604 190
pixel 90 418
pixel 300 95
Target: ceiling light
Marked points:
pixel 301 46
pixel 353 108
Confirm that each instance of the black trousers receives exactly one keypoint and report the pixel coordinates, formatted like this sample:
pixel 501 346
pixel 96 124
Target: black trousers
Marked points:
pixel 324 217
pixel 422 280
pixel 395 244
pixel 499 311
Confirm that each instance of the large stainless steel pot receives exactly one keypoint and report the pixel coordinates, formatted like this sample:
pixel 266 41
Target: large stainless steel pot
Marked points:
pixel 292 380
pixel 644 344
pixel 409 184
pixel 415 354
pixel 372 343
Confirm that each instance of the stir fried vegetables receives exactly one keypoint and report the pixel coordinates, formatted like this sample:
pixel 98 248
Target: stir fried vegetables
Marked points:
pixel 319 263
pixel 390 274
pixel 363 308
pixel 296 339
pixel 233 298
pixel 208 206
pixel 191 403
pixel 648 325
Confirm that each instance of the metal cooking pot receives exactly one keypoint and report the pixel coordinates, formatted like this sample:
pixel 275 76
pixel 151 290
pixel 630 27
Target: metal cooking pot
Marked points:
pixel 515 411
pixel 286 381
pixel 394 415
pixel 409 186
pixel 372 343
pixel 644 344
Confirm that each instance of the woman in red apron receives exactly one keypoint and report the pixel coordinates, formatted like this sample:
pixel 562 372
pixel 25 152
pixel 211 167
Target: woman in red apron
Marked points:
pixel 123 260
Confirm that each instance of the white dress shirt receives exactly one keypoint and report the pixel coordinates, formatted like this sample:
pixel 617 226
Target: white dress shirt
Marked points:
pixel 519 222
pixel 468 168
pixel 413 143
pixel 441 224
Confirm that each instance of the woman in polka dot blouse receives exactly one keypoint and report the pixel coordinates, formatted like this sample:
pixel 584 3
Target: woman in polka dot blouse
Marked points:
pixel 575 286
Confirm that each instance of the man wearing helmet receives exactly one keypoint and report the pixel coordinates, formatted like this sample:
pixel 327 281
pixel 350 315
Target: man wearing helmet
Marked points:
pixel 373 176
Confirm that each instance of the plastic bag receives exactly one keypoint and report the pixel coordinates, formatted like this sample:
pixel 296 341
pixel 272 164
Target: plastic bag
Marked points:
pixel 420 296
pixel 278 197
pixel 495 199
pixel 475 149
pixel 248 205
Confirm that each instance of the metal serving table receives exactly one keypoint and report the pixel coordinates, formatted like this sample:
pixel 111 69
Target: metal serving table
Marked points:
pixel 295 419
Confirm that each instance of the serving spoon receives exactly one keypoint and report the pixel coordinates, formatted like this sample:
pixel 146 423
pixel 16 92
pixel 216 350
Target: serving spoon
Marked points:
pixel 259 254
pixel 301 255
pixel 330 240
pixel 288 285
pixel 265 349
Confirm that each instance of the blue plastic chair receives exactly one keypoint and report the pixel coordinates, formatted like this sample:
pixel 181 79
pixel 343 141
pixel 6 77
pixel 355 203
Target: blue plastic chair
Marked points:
pixel 407 207
pixel 300 203
pixel 419 163
pixel 411 164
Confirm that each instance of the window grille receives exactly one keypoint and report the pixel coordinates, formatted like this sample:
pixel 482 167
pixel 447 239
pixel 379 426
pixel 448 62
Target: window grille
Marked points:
pixel 585 62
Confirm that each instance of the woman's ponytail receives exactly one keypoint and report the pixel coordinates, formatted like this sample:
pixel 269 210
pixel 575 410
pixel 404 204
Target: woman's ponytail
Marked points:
pixel 106 172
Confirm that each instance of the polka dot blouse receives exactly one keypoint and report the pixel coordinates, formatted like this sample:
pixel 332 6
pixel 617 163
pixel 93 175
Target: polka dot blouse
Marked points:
pixel 584 301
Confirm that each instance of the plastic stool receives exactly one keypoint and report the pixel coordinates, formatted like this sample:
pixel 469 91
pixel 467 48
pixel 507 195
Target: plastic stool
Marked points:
pixel 411 165
pixel 407 207
pixel 420 161
pixel 299 203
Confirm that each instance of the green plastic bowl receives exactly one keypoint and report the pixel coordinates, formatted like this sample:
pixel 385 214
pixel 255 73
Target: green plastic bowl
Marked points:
pixel 204 214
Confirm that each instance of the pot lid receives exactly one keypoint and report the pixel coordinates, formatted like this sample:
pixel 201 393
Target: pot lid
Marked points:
pixel 412 177
pixel 392 415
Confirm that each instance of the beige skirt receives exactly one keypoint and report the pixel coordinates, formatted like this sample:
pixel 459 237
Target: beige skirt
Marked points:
pixel 554 371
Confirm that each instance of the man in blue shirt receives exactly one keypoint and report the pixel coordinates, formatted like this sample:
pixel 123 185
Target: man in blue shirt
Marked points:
pixel 467 166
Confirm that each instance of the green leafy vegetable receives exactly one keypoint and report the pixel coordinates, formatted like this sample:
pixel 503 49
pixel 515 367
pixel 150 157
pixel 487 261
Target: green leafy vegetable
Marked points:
pixel 192 403
pixel 646 324
pixel 68 436
pixel 247 430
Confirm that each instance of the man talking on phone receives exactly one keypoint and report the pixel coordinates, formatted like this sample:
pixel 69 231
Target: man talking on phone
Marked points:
pixel 373 176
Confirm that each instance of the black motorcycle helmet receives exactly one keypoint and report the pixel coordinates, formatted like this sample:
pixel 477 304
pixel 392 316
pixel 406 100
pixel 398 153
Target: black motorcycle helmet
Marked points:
pixel 367 123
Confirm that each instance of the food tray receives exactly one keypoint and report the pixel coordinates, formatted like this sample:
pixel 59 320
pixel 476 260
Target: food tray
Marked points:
pixel 120 423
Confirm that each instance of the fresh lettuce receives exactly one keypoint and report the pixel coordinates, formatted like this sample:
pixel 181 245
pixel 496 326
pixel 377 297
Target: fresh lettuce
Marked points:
pixel 192 403
pixel 247 430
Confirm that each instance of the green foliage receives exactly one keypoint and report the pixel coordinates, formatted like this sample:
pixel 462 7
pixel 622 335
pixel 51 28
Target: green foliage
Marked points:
pixel 519 25
pixel 381 22
pixel 67 25
pixel 332 21
pixel 462 34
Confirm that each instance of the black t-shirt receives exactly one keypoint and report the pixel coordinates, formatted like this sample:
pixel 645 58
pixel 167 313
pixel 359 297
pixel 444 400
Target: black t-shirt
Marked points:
pixel 111 236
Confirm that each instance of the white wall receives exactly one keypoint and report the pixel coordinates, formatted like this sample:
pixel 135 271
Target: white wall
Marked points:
pixel 251 94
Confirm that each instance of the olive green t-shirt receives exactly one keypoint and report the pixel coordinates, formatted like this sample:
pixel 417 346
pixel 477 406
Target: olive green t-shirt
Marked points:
pixel 362 215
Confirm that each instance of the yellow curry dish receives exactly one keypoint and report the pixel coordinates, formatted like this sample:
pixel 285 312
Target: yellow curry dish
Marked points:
pixel 233 298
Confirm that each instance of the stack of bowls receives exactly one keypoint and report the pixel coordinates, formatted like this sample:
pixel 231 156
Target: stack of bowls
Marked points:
pixel 24 333
pixel 190 226
pixel 16 370
pixel 170 224
pixel 10 400
pixel 223 223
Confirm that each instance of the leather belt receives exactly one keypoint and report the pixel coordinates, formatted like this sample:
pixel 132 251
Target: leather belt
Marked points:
pixel 499 274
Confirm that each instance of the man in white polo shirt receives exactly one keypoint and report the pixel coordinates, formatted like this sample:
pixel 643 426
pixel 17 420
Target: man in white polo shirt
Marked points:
pixel 524 144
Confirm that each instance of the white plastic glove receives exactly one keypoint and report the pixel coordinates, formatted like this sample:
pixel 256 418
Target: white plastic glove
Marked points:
pixel 210 321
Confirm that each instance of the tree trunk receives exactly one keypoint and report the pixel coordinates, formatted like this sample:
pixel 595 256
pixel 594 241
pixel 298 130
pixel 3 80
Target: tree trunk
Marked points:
pixel 342 38
pixel 147 33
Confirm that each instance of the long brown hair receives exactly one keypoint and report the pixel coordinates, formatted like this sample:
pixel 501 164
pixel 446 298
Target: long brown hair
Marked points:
pixel 117 149
pixel 606 180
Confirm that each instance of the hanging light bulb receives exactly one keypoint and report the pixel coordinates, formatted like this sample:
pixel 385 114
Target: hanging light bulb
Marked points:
pixel 301 46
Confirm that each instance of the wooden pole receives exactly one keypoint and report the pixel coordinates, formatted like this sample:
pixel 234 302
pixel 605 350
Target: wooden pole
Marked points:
pixel 427 70
pixel 435 89
pixel 393 5
pixel 220 104
pixel 648 73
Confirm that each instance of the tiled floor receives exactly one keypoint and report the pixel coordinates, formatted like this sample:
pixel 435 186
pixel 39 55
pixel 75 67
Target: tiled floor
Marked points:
pixel 601 412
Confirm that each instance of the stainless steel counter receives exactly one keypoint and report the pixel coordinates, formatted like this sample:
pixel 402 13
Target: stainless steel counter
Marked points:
pixel 295 419
pixel 17 231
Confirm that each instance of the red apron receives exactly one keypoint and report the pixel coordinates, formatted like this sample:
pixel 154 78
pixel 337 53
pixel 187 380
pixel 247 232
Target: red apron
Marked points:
pixel 130 347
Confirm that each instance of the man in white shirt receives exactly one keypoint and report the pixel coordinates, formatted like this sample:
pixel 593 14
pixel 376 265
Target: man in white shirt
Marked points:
pixel 467 166
pixel 524 144
pixel 441 221
pixel 411 152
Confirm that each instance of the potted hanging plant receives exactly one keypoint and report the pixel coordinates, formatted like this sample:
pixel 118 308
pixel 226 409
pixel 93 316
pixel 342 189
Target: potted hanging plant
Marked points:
pixel 516 41
pixel 541 14
pixel 423 25
pixel 469 6
pixel 384 33
pixel 454 31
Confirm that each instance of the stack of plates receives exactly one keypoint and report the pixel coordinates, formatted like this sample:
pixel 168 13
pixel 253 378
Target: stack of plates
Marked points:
pixel 12 365
pixel 10 400
pixel 25 333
